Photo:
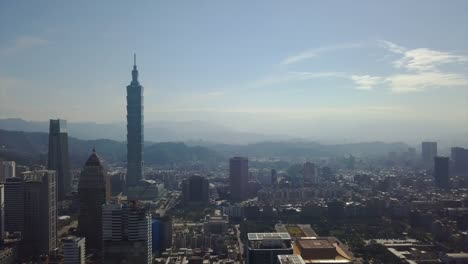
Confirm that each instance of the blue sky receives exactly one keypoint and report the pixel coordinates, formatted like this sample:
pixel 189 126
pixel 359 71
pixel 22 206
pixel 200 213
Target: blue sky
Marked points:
pixel 304 68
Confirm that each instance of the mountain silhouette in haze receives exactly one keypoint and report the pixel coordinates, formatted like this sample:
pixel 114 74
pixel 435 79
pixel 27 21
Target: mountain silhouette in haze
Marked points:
pixel 31 148
pixel 162 131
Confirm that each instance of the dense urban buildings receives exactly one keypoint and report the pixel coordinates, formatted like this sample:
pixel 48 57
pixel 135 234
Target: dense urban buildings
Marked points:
pixel 134 130
pixel 195 190
pixel 40 212
pixel 74 250
pixel 356 205
pixel 94 192
pixel 127 234
pixel 442 172
pixel 58 156
pixel 228 215
pixel 239 178
pixel 7 170
pixel 278 132
pixel 428 151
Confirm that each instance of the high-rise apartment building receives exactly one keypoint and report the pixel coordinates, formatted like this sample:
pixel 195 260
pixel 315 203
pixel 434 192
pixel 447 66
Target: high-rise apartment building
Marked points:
pixel 428 152
pixel 40 212
pixel 127 234
pixel 165 231
pixel 74 250
pixel 239 178
pixel 310 173
pixel 441 172
pixel 58 159
pixel 14 204
pixel 459 158
pixel 134 130
pixel 93 192
pixel 7 170
pixel 195 190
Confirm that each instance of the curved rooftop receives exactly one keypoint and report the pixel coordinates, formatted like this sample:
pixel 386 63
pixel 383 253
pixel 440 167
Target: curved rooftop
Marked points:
pixel 93 159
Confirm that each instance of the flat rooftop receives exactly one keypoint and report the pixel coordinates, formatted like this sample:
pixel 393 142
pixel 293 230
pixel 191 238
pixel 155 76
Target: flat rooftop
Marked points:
pixel 296 231
pixel 320 251
pixel 290 259
pixel 315 243
pixel 270 241
pixel 268 236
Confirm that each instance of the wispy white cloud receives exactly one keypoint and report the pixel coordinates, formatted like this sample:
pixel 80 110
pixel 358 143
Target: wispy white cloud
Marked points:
pixel 417 82
pixel 392 46
pixel 419 69
pixel 311 53
pixel 423 69
pixel 422 59
pixel 23 43
pixel 366 82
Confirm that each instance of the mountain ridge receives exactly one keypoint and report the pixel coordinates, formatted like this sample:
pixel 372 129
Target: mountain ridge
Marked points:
pixel 31 148
pixel 162 131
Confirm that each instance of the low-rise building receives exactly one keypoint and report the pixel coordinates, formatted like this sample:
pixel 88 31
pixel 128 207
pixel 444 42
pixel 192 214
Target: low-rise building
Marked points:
pixel 264 248
pixel 290 259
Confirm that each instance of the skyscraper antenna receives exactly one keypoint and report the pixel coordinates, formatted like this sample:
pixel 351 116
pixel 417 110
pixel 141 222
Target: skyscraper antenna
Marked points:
pixel 134 59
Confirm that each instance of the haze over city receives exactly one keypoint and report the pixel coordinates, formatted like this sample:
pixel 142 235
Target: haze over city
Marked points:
pixel 327 71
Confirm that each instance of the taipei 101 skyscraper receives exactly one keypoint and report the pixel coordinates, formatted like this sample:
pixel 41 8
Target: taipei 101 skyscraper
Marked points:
pixel 134 129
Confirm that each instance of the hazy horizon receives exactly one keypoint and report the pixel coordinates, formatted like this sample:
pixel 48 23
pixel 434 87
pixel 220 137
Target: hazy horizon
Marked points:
pixel 398 72
pixel 195 130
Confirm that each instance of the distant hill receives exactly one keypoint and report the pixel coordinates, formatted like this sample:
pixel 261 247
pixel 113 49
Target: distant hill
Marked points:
pixel 176 153
pixel 301 149
pixel 31 147
pixel 162 131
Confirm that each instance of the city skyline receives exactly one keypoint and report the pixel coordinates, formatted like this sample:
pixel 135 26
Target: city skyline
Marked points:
pixel 310 78
pixel 275 132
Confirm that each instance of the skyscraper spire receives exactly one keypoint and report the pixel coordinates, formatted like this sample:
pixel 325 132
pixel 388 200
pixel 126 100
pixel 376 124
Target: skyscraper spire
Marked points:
pixel 135 71
pixel 134 60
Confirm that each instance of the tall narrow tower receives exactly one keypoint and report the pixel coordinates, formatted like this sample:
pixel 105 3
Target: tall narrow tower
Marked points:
pixel 58 156
pixel 134 129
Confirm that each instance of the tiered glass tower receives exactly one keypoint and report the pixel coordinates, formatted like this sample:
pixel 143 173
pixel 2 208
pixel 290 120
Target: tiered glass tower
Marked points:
pixel 134 129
